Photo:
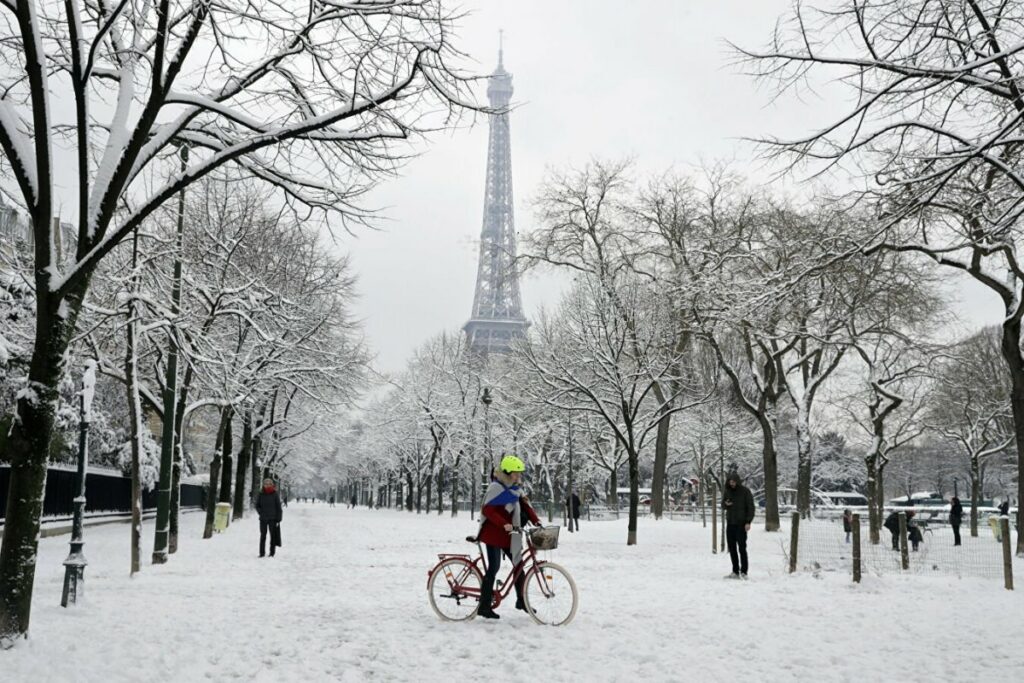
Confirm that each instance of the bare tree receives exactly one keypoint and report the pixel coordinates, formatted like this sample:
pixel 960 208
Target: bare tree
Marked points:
pixel 935 123
pixel 307 99
pixel 971 406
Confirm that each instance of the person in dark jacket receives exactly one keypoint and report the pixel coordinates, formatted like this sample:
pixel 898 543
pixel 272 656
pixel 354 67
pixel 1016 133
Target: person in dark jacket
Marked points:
pixel 268 506
pixel 738 504
pixel 956 518
pixel 503 502
pixel 892 523
pixel 572 505
pixel 848 523
pixel 1004 508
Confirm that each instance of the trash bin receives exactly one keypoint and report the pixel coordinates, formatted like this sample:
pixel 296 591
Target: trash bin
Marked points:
pixel 997 530
pixel 221 516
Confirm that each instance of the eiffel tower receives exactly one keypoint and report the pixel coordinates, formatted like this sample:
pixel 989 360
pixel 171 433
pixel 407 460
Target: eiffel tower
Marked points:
pixel 497 318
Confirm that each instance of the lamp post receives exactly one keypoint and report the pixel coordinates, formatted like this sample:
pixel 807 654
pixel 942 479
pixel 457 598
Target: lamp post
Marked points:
pixel 74 565
pixel 486 399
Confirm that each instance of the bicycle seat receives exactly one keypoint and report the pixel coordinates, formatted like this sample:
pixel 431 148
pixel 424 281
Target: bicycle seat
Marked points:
pixel 471 539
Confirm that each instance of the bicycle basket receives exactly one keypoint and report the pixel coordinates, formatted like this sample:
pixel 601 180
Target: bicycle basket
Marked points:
pixel 545 538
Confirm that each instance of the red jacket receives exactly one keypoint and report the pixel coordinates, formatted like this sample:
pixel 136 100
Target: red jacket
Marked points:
pixel 495 518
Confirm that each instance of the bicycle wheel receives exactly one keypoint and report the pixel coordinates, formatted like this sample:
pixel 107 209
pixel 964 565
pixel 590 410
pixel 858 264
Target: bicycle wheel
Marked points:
pixel 448 589
pixel 551 596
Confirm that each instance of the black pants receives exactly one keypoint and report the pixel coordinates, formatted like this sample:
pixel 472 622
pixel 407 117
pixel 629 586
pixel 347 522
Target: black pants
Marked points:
pixel 494 554
pixel 275 536
pixel 576 520
pixel 956 534
pixel 736 538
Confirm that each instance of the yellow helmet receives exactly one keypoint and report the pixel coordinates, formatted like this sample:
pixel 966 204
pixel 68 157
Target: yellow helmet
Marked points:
pixel 511 463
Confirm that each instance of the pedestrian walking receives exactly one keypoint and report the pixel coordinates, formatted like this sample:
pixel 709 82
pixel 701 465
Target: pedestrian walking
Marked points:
pixel 502 513
pixel 738 504
pixel 572 505
pixel 352 501
pixel 332 500
pixel 268 506
pixel 848 523
pixel 956 517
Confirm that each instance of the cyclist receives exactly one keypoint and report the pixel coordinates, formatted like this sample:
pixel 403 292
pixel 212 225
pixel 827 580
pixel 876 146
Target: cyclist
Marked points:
pixel 504 505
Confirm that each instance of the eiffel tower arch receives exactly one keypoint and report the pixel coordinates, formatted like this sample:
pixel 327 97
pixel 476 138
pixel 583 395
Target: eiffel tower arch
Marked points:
pixel 497 319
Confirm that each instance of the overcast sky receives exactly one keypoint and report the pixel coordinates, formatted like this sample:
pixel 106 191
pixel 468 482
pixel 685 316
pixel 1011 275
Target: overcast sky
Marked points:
pixel 651 80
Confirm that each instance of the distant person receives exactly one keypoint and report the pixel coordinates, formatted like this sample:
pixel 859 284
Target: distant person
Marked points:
pixel 956 518
pixel 352 502
pixel 268 506
pixel 892 523
pixel 847 523
pixel 738 503
pixel 331 500
pixel 572 504
pixel 1004 508
pixel 914 533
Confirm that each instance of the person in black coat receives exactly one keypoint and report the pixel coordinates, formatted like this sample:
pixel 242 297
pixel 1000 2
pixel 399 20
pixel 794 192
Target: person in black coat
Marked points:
pixel 738 503
pixel 1004 508
pixel 268 506
pixel 892 523
pixel 956 518
pixel 572 504
pixel 847 523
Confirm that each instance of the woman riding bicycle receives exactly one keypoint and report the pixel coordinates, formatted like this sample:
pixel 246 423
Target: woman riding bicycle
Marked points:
pixel 504 505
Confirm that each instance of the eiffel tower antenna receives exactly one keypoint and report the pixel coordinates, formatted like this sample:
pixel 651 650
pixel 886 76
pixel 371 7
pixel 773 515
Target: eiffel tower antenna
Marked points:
pixel 497 318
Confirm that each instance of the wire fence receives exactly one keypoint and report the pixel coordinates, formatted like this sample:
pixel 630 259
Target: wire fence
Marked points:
pixel 929 549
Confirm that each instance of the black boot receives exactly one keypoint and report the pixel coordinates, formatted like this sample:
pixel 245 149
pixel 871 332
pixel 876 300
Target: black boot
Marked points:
pixel 485 609
pixel 520 603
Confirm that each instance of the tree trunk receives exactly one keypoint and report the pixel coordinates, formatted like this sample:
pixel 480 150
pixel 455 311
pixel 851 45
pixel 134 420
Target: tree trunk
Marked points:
pixel 135 423
pixel 179 426
pixel 131 374
pixel 430 479
pixel 28 447
pixel 803 475
pixel 874 516
pixel 634 494
pixel 771 474
pixel 975 494
pixel 660 465
pixel 225 472
pixel 243 465
pixel 440 489
pixel 455 486
pixel 215 467
pixel 613 491
pixel 1012 355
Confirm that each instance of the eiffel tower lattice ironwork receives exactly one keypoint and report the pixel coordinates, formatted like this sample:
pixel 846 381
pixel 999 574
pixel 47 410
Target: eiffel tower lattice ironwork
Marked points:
pixel 497 318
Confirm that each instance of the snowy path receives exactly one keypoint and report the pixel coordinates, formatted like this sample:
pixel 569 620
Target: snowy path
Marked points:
pixel 346 600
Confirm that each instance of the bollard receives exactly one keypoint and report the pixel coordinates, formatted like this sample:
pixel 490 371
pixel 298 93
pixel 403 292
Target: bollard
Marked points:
pixel 1004 524
pixel 794 538
pixel 856 548
pixel 714 520
pixel 904 552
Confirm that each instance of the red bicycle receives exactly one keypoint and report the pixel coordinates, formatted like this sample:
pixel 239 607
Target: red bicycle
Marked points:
pixel 549 591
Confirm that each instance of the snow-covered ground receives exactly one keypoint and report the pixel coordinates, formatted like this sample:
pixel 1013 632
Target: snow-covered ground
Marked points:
pixel 346 600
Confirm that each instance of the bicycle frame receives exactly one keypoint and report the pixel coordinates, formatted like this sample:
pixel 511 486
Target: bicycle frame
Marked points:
pixel 527 564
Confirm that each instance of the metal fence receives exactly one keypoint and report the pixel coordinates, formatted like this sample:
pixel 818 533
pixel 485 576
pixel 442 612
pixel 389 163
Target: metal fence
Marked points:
pixel 104 492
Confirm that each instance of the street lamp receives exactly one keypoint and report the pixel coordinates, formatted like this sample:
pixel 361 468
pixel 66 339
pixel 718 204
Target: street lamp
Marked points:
pixel 486 399
pixel 74 565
